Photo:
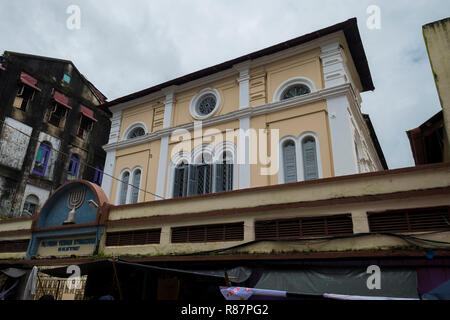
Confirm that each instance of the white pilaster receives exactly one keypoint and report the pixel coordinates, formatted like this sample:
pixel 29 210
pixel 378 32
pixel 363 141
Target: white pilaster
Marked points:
pixel 333 61
pixel 164 148
pixel 244 124
pixel 244 88
pixel 110 162
pixel 342 142
pixel 244 153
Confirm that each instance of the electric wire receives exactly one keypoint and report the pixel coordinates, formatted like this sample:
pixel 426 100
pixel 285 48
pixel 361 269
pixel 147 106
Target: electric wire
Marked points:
pixel 83 162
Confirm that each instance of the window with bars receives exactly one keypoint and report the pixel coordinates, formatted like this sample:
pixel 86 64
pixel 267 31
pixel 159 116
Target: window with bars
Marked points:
pixel 304 227
pixel 196 179
pixel 135 237
pixel 14 246
pixel 410 220
pixel 200 179
pixel 180 182
pixel 208 233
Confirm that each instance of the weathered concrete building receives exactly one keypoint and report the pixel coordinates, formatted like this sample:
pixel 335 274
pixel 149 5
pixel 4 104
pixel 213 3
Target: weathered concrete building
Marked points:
pixel 52 130
pixel 430 141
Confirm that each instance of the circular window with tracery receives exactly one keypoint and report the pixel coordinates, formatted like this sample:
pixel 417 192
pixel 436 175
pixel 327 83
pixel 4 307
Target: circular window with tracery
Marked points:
pixel 205 104
pixel 294 91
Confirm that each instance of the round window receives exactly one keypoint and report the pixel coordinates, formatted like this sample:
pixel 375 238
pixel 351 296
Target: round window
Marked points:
pixel 206 105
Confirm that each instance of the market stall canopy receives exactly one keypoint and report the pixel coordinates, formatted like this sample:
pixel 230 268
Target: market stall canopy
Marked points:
pixel 393 282
pixel 236 275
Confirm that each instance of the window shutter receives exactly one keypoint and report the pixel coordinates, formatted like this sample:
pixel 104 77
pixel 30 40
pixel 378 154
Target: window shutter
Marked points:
pixel 290 163
pixel 220 177
pixel 229 177
pixel 135 188
pixel 124 188
pixel 193 180
pixel 177 193
pixel 310 159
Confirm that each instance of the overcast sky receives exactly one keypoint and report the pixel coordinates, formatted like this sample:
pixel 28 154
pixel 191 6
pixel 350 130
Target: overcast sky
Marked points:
pixel 126 46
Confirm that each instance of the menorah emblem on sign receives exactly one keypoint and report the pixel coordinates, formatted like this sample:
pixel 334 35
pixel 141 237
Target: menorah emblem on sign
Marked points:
pixel 75 200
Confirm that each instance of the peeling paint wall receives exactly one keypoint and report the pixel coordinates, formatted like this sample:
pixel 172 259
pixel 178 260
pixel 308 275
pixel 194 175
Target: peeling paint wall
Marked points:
pixel 7 191
pixel 13 143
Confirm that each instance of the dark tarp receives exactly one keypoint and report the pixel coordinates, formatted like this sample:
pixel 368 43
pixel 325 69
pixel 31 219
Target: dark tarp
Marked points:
pixel 441 292
pixel 237 275
pixel 395 282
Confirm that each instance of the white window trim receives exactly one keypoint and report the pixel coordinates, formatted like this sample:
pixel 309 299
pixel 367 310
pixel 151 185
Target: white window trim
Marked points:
pixel 132 127
pixel 293 81
pixel 190 158
pixel 119 186
pixel 196 99
pixel 281 153
pixel 299 155
pixel 130 184
pixel 300 147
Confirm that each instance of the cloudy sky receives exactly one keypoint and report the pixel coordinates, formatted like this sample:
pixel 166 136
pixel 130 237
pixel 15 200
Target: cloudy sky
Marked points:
pixel 126 46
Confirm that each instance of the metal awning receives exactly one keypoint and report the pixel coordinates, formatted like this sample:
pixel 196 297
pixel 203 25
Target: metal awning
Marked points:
pixel 62 100
pixel 88 113
pixel 29 81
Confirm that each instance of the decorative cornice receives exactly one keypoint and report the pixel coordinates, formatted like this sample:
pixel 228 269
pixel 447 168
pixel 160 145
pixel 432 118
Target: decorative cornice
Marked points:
pixel 319 95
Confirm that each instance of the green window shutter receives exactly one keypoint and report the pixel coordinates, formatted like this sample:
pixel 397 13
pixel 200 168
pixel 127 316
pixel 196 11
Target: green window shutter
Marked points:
pixel 290 162
pixel 310 159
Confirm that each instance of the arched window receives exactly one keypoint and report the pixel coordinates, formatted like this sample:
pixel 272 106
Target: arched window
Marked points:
pixel 294 91
pixel 42 157
pixel 293 87
pixel 200 176
pixel 289 161
pixel 135 186
pixel 124 187
pixel 310 166
pixel 180 181
pixel 136 132
pixel 31 204
pixel 224 173
pixel 74 167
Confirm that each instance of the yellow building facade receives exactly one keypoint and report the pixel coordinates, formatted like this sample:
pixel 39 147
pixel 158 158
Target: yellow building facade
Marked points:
pixel 288 113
